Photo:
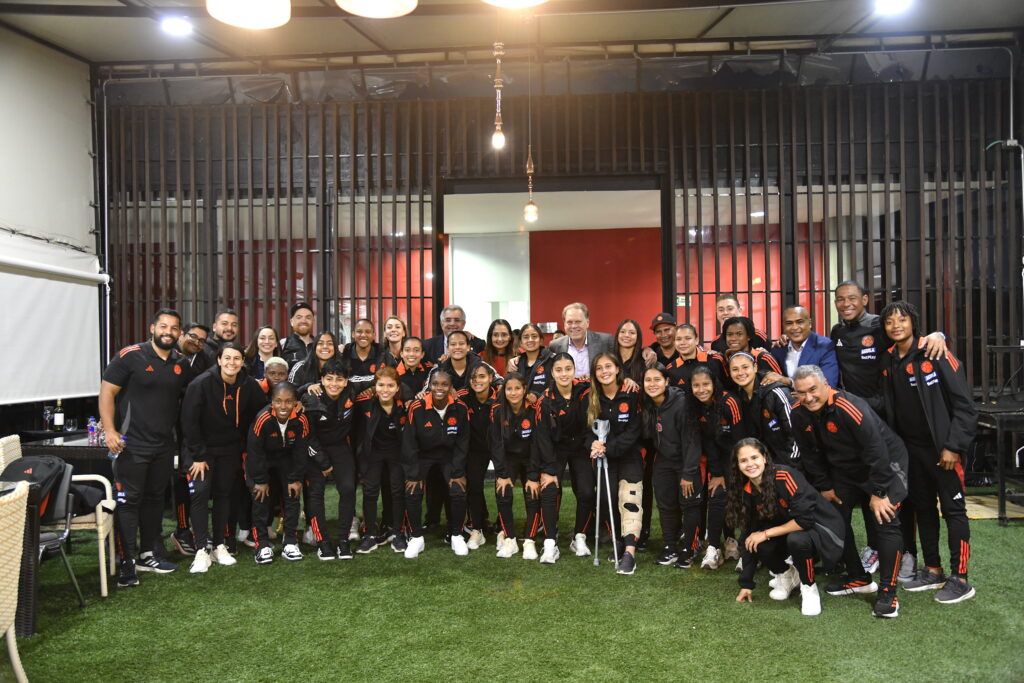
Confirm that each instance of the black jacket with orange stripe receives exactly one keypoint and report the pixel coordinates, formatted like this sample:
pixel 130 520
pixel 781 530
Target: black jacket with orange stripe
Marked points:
pixel 945 397
pixel 361 371
pixel 767 416
pixel 479 420
pixel 797 500
pixel 764 362
pixel 538 375
pixel 672 429
pixel 215 416
pixel 512 435
pixel 267 446
pixel 413 381
pixel 847 441
pixel 623 412
pixel 368 414
pixel 721 426
pixel 331 422
pixel 680 371
pixel 563 425
pixel 429 436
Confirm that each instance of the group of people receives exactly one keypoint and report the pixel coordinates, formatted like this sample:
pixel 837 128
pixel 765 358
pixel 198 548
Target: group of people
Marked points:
pixel 752 450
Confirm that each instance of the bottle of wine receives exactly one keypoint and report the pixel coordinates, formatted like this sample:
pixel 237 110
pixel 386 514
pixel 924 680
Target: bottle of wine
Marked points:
pixel 58 418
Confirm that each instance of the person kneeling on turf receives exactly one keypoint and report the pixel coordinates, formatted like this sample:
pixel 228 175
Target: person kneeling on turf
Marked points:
pixel 782 516
pixel 436 436
pixel 278 447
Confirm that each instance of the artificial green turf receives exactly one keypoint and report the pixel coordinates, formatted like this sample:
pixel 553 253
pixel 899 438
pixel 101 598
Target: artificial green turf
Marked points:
pixel 381 617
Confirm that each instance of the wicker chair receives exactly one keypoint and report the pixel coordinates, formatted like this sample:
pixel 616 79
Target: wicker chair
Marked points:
pixel 12 538
pixel 10 450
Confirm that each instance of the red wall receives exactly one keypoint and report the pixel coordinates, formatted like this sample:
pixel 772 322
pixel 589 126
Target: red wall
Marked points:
pixel 616 273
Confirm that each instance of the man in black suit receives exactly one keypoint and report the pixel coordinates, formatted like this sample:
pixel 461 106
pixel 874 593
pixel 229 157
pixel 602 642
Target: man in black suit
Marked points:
pixel 579 342
pixel 453 318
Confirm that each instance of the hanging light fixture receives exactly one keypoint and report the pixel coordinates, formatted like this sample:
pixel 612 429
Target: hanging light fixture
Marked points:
pixel 378 9
pixel 251 14
pixel 498 139
pixel 531 212
pixel 515 4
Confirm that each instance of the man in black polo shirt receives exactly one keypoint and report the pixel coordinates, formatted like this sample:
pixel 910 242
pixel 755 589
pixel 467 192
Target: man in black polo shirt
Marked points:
pixel 139 399
pixel 299 343
pixel 664 344
pixel 225 329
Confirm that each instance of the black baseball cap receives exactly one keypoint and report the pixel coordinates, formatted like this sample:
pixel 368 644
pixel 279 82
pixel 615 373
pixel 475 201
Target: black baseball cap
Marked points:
pixel 663 319
pixel 298 307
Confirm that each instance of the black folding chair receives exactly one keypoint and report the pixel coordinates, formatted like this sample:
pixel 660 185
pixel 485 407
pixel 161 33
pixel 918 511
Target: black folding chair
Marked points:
pixel 59 514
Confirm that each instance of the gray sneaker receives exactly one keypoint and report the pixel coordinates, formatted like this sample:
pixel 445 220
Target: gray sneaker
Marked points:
pixel 956 590
pixel 908 569
pixel 925 580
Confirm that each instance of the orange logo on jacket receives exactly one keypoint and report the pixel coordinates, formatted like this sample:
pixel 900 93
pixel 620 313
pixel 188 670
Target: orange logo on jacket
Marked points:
pixel 927 367
pixel 766 413
pixel 910 368
pixel 177 369
pixel 526 424
pixel 831 426
pixel 623 407
pixel 291 434
pixel 452 421
pixel 868 341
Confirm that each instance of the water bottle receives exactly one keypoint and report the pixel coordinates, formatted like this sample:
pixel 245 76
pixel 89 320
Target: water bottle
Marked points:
pixel 111 455
pixel 90 428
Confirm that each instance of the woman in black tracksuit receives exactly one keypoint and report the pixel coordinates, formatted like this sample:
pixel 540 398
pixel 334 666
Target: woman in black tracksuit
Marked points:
pixel 306 373
pixel 740 334
pixel 534 363
pixel 216 412
pixel 380 422
pixel 691 356
pixel 460 360
pixel 330 415
pixel 436 436
pixel 677 478
pixel 480 400
pixel 363 355
pixel 413 369
pixel 782 516
pixel 513 424
pixel 560 441
pixel 610 401
pixel 766 409
pixel 719 418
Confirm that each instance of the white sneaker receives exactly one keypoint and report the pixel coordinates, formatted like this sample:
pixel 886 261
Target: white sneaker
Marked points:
pixel 774 581
pixel 353 530
pixel 509 548
pixel 579 545
pixel 291 552
pixel 739 565
pixel 529 549
pixel 476 539
pixel 222 556
pixel 459 546
pixel 243 537
pixel 712 558
pixel 201 563
pixel 307 536
pixel 415 547
pixel 732 549
pixel 551 553
pixel 810 600
pixel 264 555
pixel 784 584
pixel 500 539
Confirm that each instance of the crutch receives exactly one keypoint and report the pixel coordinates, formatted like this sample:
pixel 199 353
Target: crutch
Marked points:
pixel 601 429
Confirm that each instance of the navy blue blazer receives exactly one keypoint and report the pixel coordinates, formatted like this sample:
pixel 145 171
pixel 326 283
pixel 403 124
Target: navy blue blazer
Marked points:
pixel 817 350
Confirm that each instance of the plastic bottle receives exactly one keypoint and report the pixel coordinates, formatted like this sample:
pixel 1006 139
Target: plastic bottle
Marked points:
pixel 91 429
pixel 111 454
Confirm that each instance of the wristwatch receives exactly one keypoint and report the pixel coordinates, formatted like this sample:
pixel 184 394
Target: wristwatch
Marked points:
pixel 880 493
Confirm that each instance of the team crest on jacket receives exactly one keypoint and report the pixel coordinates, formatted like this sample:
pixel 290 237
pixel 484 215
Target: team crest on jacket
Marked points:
pixel 623 407
pixel 526 423
pixel 926 367
pixel 291 434
pixel 177 369
pixel 401 420
pixel 452 421
pixel 831 426
pixel 765 413
pixel 867 341
pixel 910 368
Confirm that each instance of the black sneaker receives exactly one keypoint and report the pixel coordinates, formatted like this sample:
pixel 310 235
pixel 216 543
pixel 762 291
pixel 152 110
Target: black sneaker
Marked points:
pixel 847 586
pixel 684 561
pixel 148 562
pixel 627 565
pixel 887 606
pixel 399 543
pixel 367 545
pixel 667 556
pixel 956 590
pixel 925 580
pixel 622 551
pixel 641 544
pixel 326 552
pixel 344 551
pixel 184 541
pixel 127 577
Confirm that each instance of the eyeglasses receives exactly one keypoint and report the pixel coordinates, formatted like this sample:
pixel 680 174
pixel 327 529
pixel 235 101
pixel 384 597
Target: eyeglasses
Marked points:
pixel 195 337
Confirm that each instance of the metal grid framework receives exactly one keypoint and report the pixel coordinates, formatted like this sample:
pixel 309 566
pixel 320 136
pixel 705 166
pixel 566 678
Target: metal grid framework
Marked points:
pixel 779 195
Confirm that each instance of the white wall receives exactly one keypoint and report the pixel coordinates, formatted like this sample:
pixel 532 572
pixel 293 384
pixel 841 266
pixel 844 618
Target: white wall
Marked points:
pixel 490 278
pixel 46 180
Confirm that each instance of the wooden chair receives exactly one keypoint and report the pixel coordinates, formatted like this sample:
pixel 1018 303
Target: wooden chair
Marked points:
pixel 12 539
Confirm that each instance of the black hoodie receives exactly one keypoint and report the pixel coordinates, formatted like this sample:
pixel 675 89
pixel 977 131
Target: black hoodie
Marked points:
pixel 537 375
pixel 331 422
pixel 215 415
pixel 295 350
pixel 429 436
pixel 671 427
pixel 623 412
pixel 767 416
pixel 479 420
pixel 563 425
pixel 721 426
pixel 360 371
pixel 512 436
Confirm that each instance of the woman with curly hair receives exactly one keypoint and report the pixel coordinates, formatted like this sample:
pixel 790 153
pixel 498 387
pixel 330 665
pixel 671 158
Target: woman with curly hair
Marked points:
pixel 781 516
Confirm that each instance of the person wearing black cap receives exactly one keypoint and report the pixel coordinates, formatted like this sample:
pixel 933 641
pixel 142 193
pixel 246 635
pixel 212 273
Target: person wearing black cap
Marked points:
pixel 298 345
pixel 139 398
pixel 664 344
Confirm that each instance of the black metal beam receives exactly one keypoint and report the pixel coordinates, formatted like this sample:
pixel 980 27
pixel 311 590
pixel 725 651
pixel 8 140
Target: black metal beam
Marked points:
pixel 557 7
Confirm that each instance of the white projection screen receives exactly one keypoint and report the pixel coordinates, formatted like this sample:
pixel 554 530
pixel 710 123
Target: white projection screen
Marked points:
pixel 49 321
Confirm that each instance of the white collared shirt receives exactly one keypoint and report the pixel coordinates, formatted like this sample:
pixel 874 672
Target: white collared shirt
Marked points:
pixel 793 357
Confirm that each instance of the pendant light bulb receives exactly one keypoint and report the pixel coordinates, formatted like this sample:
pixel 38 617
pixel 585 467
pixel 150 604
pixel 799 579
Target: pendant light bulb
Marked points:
pixel 531 212
pixel 251 14
pixel 498 139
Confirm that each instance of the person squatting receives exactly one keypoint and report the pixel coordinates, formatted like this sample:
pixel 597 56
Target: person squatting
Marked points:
pixel 751 451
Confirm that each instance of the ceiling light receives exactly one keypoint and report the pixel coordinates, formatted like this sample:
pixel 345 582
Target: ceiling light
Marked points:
pixel 251 14
pixel 378 9
pixel 515 4
pixel 427 228
pixel 757 214
pixel 498 139
pixel 531 212
pixel 178 27
pixel 888 8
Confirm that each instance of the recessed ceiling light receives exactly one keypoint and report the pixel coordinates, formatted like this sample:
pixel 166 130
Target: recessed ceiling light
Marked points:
pixel 515 4
pixel 378 9
pixel 757 214
pixel 176 26
pixel 888 8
